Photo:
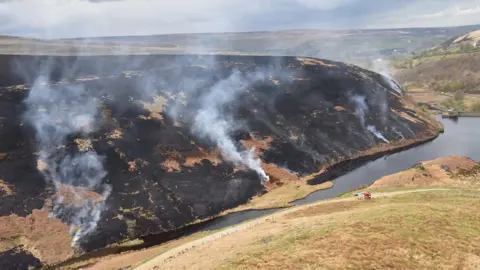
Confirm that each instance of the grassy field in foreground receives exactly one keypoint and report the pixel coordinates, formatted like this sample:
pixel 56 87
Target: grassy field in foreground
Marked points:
pixel 435 230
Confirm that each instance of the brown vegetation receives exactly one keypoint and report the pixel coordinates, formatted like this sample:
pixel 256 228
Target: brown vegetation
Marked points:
pixel 46 238
pixel 5 187
pixel 278 176
pixel 281 196
pixel 428 97
pixel 259 144
pixel 134 165
pixel 213 156
pixel 171 164
pixel 293 137
pixel 77 196
pixel 116 134
pixel 406 231
pixel 313 61
pixel 438 172
pixel 405 116
pixel 358 233
pixel 83 145
pixel 444 74
pixel 41 165
pixel 324 209
pixel 157 107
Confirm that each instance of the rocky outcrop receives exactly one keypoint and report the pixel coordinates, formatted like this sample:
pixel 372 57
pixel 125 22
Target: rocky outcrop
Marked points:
pixel 171 134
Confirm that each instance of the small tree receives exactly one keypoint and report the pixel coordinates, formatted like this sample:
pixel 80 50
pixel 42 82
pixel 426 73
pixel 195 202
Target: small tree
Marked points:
pixel 459 95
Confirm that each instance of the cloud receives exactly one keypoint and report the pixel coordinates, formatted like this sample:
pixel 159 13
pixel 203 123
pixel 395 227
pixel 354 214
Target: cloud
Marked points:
pixel 54 18
pixel 452 12
pixel 325 4
pixel 73 18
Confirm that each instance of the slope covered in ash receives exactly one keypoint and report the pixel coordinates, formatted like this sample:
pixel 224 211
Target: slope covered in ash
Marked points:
pixel 122 147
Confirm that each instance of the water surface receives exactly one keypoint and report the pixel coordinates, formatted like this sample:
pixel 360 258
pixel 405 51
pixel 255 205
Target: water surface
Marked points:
pixel 460 138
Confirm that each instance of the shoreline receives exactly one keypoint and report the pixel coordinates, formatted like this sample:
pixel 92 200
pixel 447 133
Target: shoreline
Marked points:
pixel 158 239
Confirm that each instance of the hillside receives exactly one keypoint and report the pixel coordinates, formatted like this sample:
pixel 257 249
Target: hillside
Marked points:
pixel 431 223
pixel 447 73
pixel 446 67
pixel 124 147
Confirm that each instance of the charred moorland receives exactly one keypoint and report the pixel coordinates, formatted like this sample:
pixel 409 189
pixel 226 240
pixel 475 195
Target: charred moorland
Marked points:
pixel 175 139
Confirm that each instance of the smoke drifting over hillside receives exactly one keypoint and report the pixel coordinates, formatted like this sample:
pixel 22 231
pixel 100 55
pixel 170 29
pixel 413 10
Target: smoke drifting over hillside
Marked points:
pixel 61 111
pixel 57 112
pixel 361 109
pixel 211 121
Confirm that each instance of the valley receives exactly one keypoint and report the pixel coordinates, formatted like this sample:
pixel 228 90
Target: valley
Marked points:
pixel 135 150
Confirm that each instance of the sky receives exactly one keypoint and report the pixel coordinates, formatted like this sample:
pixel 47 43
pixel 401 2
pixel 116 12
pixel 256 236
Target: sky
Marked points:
pixel 84 18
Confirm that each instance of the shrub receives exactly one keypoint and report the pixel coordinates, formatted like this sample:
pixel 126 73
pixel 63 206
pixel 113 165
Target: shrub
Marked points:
pixel 475 107
pixel 466 47
pixel 458 105
pixel 459 95
pixel 419 166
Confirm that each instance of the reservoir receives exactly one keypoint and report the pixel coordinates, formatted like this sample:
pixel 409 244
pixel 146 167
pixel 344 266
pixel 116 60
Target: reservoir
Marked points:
pixel 460 138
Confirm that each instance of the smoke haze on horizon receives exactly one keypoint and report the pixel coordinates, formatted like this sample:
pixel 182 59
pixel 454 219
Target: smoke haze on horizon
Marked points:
pixel 82 18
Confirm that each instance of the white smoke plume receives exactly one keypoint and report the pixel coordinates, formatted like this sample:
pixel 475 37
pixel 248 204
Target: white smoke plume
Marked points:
pixel 377 133
pixel 57 112
pixel 398 133
pixel 380 66
pixel 361 109
pixel 212 122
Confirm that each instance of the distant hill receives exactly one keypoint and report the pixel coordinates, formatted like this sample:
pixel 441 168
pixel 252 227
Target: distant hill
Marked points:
pixel 472 39
pixel 353 46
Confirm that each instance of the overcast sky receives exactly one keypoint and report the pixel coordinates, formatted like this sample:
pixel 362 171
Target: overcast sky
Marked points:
pixel 80 18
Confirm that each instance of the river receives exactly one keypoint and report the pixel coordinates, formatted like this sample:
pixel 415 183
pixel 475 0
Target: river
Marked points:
pixel 460 138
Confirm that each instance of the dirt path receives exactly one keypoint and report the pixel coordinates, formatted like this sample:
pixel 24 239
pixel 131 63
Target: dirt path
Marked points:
pixel 159 261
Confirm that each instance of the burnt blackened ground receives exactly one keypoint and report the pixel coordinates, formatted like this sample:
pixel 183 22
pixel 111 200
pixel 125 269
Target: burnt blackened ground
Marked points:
pixel 306 109
pixel 18 259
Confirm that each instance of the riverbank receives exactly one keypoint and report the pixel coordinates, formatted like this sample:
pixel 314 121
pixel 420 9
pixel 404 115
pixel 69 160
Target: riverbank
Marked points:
pixel 167 177
pixel 242 243
pixel 201 228
pixel 175 248
pixel 468 114
pixel 288 235
pixel 438 103
pixel 460 138
pixel 286 195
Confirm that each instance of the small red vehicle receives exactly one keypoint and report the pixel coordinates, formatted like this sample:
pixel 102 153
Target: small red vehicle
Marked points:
pixel 363 196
